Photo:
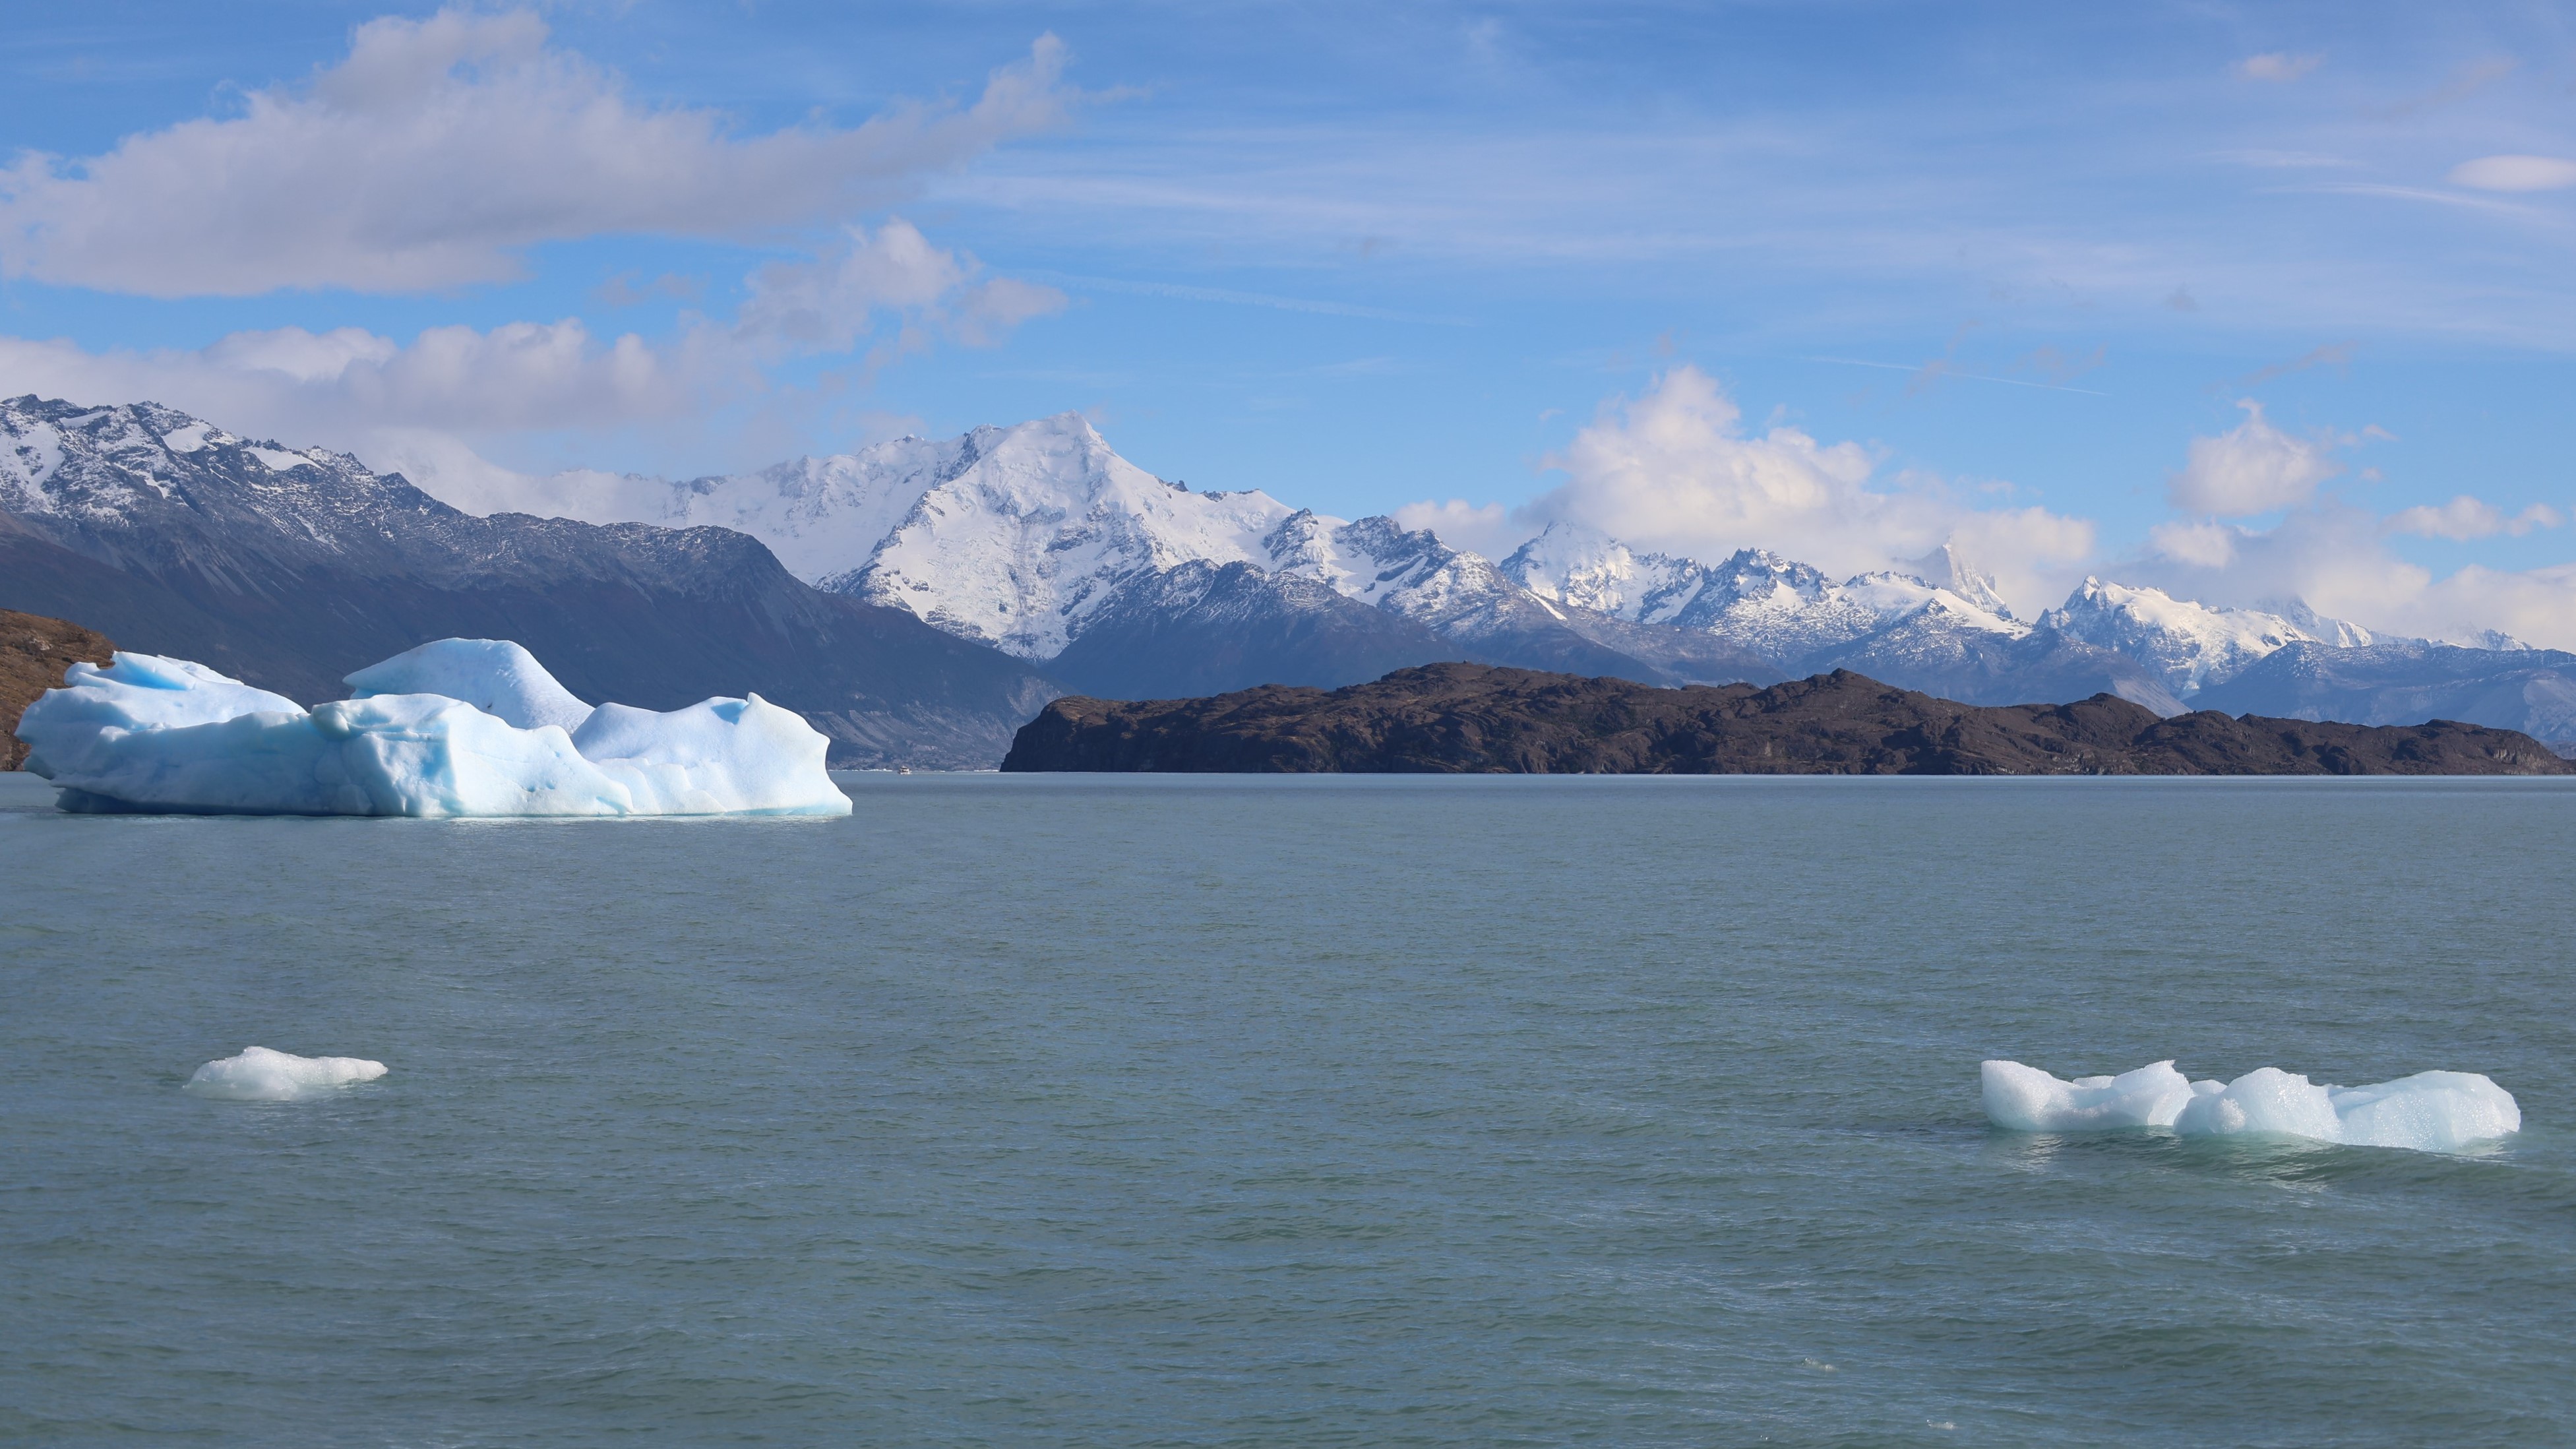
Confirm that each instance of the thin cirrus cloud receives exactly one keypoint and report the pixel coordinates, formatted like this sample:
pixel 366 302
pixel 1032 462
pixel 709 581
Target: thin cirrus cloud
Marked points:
pixel 439 149
pixel 2516 173
pixel 2278 66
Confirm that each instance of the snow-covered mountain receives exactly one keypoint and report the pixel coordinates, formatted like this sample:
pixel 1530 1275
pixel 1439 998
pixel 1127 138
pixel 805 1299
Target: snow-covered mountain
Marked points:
pixel 1771 605
pixel 1020 536
pixel 2190 646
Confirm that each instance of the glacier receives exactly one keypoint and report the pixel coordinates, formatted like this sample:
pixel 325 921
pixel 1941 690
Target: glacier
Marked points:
pixel 262 1075
pixel 148 733
pixel 2427 1112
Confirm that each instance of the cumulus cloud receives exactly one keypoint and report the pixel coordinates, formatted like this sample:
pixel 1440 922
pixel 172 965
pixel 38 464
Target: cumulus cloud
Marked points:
pixel 1675 471
pixel 2253 468
pixel 438 149
pixel 2465 518
pixel 2335 557
pixel 2515 173
pixel 429 404
pixel 2277 65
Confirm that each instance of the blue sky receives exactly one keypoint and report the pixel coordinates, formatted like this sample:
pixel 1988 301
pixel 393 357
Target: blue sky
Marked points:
pixel 2008 273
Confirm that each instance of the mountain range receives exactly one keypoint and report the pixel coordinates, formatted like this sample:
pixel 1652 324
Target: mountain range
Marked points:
pixel 920 598
pixel 1040 540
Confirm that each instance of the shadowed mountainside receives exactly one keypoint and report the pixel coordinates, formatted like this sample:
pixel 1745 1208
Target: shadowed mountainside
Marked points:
pixel 1475 719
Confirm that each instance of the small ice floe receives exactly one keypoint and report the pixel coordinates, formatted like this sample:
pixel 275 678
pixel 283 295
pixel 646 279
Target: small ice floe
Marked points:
pixel 2427 1112
pixel 261 1075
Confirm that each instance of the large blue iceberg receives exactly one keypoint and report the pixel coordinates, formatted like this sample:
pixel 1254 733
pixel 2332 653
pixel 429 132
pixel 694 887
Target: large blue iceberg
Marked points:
pixel 455 728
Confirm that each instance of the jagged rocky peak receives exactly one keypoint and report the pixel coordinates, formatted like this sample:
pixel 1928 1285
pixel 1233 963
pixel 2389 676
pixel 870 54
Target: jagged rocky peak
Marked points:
pixel 2190 645
pixel 1375 560
pixel 142 469
pixel 1946 568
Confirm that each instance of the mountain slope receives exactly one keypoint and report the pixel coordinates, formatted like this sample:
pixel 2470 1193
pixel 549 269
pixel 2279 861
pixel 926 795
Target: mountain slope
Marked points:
pixel 1204 629
pixel 2399 681
pixel 291 569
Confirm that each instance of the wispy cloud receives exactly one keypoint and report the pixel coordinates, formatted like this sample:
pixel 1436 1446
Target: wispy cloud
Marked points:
pixel 2333 354
pixel 430 401
pixel 1227 296
pixel 1917 370
pixel 2423 194
pixel 2516 173
pixel 2278 66
pixel 2464 82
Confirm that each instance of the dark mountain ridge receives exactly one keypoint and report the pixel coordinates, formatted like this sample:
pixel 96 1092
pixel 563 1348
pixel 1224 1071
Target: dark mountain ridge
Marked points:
pixel 1467 718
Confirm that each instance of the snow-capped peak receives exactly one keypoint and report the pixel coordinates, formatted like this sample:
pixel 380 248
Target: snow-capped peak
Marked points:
pixel 1943 568
pixel 1025 533
pixel 1775 605
pixel 2190 645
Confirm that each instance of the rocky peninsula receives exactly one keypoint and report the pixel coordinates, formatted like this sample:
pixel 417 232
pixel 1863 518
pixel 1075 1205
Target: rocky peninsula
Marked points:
pixel 1480 719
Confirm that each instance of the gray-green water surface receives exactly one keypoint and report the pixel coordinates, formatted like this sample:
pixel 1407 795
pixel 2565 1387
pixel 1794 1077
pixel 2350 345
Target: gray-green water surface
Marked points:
pixel 1231 1111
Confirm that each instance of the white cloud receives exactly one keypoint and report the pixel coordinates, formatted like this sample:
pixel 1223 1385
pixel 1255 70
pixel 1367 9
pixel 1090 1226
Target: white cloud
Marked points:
pixel 2465 518
pixel 2277 65
pixel 2516 173
pixel 2537 606
pixel 1673 471
pixel 1478 528
pixel 2253 468
pixel 434 403
pixel 828 303
pixel 2335 557
pixel 439 148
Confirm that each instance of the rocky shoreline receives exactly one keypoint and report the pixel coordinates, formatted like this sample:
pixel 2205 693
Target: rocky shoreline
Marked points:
pixel 34 653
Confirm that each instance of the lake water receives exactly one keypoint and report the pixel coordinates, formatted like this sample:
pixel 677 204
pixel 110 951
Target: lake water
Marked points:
pixel 1286 1111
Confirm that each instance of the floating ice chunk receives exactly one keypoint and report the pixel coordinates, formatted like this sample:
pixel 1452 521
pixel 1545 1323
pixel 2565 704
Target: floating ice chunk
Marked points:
pixel 2266 1099
pixel 496 676
pixel 261 1075
pixel 2026 1099
pixel 2428 1112
pixel 165 734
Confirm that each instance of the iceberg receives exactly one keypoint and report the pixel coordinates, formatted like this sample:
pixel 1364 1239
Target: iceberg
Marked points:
pixel 261 1075
pixel 2427 1112
pixel 496 676
pixel 147 733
